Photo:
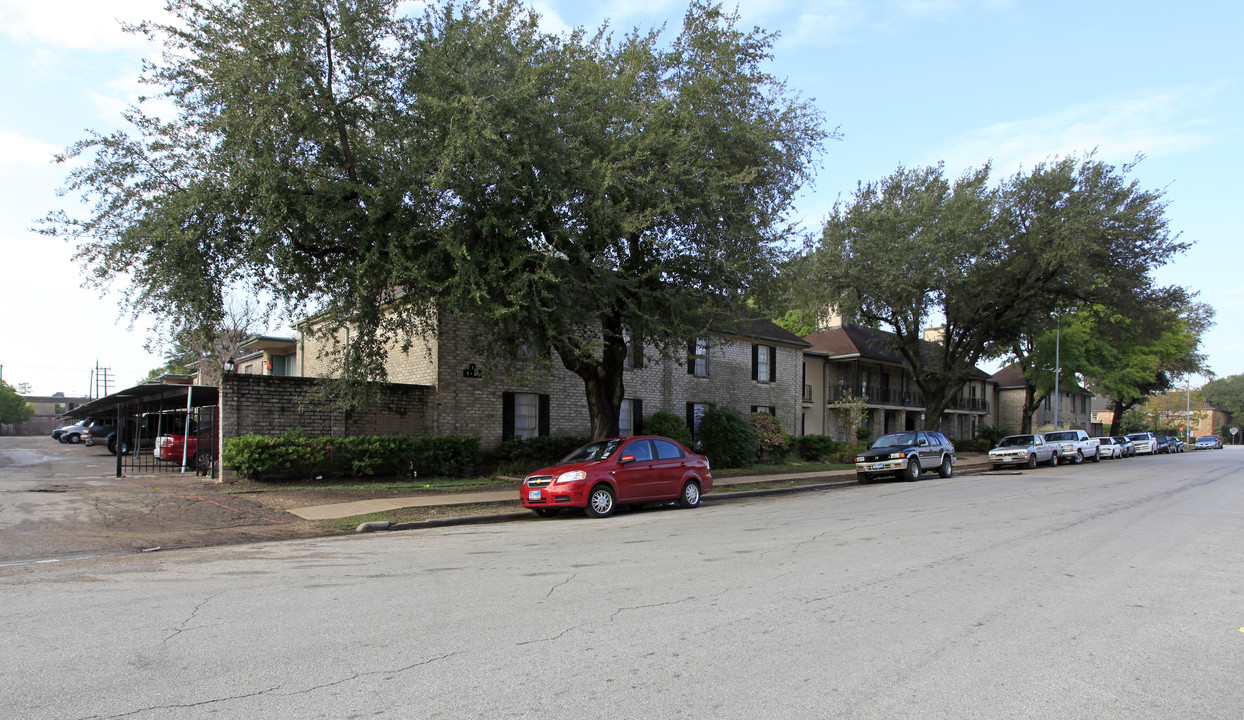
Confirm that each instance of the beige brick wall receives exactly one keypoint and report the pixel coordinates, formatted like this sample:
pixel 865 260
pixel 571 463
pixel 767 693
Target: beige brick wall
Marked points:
pixel 469 405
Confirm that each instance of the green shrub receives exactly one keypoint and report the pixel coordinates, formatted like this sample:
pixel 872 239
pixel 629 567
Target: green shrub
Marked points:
pixel 991 434
pixel 258 456
pixel 771 438
pixel 293 455
pixel 863 434
pixel 667 424
pixel 816 447
pixel 727 438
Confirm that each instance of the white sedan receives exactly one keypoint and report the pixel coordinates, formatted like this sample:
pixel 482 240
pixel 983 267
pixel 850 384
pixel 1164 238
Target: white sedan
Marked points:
pixel 1110 448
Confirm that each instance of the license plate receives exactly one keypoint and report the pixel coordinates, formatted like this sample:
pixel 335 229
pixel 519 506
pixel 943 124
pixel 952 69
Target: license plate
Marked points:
pixel 878 466
pixel 533 494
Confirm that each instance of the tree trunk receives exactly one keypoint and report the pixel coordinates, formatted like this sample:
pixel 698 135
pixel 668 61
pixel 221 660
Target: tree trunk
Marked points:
pixel 602 378
pixel 1026 412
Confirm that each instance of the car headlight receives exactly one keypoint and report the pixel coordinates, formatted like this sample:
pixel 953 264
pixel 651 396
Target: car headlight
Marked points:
pixel 572 476
pixel 898 455
pixel 859 458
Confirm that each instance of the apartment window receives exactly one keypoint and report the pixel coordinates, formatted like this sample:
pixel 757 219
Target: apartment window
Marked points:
pixel 524 415
pixel 764 409
pixel 695 412
pixel 764 362
pixel 631 417
pixel 697 360
pixel 634 352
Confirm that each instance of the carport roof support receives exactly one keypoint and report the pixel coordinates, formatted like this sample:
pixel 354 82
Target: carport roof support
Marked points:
pixel 153 396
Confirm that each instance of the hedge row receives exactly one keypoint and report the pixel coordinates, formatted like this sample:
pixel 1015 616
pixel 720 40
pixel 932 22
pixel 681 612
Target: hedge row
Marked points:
pixel 294 456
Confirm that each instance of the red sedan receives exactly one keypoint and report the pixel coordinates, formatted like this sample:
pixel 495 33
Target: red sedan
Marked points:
pixel 629 470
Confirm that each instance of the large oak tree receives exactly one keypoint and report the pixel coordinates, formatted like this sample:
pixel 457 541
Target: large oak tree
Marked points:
pixel 567 192
pixel 987 264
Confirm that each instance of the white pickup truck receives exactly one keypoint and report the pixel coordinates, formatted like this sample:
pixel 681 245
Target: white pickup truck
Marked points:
pixel 1075 445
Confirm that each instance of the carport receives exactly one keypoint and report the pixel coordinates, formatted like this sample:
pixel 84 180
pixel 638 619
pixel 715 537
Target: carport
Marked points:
pixel 143 413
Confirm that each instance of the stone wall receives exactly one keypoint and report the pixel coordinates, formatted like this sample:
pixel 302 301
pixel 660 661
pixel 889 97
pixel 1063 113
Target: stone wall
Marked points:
pixel 270 405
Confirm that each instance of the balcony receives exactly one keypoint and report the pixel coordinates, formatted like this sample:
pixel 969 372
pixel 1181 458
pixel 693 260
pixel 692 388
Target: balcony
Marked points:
pixel 878 396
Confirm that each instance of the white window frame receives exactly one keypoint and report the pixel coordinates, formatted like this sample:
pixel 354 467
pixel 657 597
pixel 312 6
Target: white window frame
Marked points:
pixel 626 418
pixel 524 402
pixel 701 358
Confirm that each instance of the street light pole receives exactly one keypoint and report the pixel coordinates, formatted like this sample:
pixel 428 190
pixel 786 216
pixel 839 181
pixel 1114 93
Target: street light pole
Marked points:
pixel 1057 370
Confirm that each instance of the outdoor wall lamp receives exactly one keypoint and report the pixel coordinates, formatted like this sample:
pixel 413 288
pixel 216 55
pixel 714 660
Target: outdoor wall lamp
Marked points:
pixel 230 366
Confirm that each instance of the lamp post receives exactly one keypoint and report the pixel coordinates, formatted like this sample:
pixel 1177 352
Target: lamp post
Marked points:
pixel 1057 370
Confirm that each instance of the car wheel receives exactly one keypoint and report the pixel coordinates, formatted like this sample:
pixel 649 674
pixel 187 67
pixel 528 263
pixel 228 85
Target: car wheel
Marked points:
pixel 1055 458
pixel 690 496
pixel 945 470
pixel 545 512
pixel 1079 458
pixel 1097 455
pixel 601 502
pixel 912 473
pixel 112 447
pixel 203 460
pixel 74 439
pixel 862 478
pixel 1032 462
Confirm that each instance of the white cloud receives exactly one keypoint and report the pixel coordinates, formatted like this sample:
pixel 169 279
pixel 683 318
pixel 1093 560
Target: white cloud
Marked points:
pixel 18 150
pixel 76 24
pixel 1118 128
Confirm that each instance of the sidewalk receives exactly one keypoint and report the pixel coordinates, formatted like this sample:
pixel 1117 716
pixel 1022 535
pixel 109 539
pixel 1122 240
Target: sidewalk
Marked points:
pixel 364 507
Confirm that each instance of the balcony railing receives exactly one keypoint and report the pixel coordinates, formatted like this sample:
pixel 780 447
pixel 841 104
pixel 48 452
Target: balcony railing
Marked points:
pixel 900 398
pixel 807 393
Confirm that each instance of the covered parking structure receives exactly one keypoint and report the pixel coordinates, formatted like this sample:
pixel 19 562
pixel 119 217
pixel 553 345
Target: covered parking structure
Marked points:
pixel 190 414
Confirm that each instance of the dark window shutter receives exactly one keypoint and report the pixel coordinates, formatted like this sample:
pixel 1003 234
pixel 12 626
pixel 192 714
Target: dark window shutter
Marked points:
pixel 637 352
pixel 772 364
pixel 507 415
pixel 542 426
pixel 637 416
pixel 755 362
pixel 691 418
pixel 755 408
pixel 691 358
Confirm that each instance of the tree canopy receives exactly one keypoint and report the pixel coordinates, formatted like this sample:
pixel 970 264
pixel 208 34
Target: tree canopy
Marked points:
pixel 562 191
pixel 990 264
pixel 13 407
pixel 1226 394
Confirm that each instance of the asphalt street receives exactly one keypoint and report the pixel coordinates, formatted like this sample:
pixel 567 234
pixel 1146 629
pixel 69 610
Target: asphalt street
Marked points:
pixel 1095 591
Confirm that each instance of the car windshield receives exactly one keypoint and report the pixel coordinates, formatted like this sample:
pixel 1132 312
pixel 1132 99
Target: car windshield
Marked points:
pixel 1107 440
pixel 903 439
pixel 1207 438
pixel 1060 436
pixel 1016 441
pixel 593 451
pixel 1138 436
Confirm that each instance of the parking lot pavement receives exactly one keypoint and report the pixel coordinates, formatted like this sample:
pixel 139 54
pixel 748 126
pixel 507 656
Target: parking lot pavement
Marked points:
pixel 60 501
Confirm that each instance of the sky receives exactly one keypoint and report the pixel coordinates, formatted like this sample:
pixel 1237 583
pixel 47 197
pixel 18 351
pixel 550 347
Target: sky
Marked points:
pixel 906 83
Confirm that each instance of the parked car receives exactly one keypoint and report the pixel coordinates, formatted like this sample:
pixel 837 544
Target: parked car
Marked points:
pixel 1109 447
pixel 626 470
pixel 1129 447
pixel 1026 450
pixel 1208 442
pixel 72 434
pixel 98 433
pixel 172 448
pixel 1146 443
pixel 1074 446
pixel 1163 445
pixel 1177 443
pixel 906 455
pixel 141 433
